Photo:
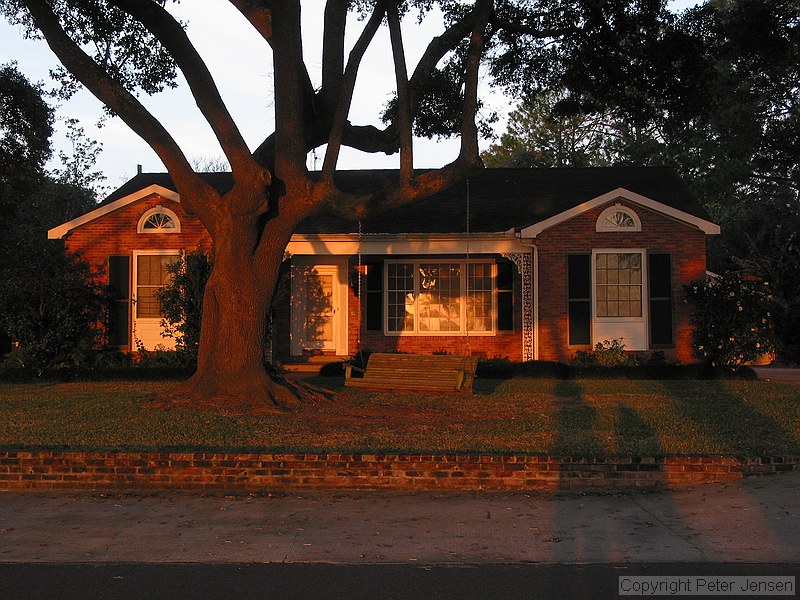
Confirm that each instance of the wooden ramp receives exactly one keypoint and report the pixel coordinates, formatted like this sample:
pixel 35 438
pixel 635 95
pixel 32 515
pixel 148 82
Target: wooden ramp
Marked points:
pixel 427 373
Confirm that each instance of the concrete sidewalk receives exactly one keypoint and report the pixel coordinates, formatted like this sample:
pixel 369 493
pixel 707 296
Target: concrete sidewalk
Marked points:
pixel 754 520
pixel 780 374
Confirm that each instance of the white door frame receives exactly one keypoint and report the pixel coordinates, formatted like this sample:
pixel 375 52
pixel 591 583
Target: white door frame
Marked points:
pixel 147 330
pixel 336 266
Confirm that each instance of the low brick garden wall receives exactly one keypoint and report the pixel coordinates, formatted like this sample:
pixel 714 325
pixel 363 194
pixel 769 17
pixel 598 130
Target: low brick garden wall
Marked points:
pixel 230 472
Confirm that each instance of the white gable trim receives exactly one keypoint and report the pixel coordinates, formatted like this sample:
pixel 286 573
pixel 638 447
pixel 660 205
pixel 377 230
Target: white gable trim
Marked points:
pixel 57 233
pixel 706 227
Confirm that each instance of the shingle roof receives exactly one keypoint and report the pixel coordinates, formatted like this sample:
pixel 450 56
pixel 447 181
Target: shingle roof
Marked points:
pixel 499 199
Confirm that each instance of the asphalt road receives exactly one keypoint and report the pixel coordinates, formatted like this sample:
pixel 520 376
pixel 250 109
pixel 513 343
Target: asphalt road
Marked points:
pixel 322 582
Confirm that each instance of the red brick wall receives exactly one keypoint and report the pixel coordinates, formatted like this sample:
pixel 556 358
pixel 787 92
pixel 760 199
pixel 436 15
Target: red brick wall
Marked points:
pixel 120 471
pixel 659 234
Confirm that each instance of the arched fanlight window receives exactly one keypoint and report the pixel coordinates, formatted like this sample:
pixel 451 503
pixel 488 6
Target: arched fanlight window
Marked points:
pixel 618 218
pixel 159 220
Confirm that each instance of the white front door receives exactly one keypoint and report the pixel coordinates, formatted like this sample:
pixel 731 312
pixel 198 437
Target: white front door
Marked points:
pixel 319 311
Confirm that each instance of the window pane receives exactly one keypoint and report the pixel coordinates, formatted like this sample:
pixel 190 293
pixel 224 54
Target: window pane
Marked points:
pixel 451 297
pixel 147 305
pixel 440 297
pixel 151 276
pixel 400 288
pixel 618 278
pixel 479 297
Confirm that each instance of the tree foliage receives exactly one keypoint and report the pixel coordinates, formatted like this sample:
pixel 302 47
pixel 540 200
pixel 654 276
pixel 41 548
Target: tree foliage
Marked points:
pixel 50 301
pixel 77 166
pixel 539 137
pixel 26 125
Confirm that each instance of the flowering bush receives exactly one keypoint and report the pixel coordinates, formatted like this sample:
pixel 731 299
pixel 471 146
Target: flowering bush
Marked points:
pixel 732 319
pixel 608 353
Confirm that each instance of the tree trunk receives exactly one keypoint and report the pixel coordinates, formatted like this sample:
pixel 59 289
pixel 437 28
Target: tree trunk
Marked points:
pixel 231 371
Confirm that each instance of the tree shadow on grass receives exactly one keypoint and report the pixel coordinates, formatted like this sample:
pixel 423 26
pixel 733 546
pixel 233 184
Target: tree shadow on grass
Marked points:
pixel 634 436
pixel 575 422
pixel 728 421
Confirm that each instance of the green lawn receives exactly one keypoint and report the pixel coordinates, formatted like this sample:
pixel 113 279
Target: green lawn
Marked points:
pixel 581 417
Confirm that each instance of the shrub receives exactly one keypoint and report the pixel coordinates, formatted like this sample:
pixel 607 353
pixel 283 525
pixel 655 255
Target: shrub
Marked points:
pixel 495 368
pixel 731 319
pixel 53 306
pixel 608 353
pixel 182 300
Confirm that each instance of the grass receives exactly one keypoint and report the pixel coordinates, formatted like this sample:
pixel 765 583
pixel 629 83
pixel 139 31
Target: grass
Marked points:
pixel 574 417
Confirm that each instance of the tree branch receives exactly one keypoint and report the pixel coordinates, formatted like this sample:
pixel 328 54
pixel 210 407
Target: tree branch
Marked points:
pixel 469 129
pixel 533 31
pixel 333 39
pixel 435 52
pixel 261 15
pixel 258 15
pixel 291 93
pixel 432 182
pixel 348 83
pixel 125 105
pixel 404 120
pixel 172 36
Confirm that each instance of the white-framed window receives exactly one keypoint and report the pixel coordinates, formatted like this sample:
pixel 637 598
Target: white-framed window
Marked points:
pixel 152 274
pixel 618 218
pixel 159 220
pixel 440 297
pixel 618 284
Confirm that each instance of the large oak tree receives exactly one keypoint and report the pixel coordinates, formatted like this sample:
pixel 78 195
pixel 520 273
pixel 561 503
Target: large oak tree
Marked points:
pixel 116 48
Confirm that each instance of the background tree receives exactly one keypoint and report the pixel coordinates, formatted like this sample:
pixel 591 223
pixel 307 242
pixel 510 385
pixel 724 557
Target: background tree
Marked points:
pixel 539 137
pixel 118 48
pixel 77 167
pixel 730 126
pixel 50 302
pixel 26 125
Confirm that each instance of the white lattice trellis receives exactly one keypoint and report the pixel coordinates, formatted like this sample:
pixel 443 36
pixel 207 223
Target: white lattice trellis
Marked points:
pixel 524 264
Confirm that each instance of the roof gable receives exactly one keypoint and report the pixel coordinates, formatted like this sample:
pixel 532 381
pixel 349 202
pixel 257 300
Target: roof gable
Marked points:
pixel 106 208
pixel 704 225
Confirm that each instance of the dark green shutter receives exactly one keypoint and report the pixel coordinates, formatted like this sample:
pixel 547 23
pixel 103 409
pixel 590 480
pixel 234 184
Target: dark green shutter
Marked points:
pixel 579 299
pixel 119 309
pixel 505 296
pixel 660 279
pixel 373 305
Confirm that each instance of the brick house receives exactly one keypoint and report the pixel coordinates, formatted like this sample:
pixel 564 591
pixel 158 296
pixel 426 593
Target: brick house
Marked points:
pixel 518 263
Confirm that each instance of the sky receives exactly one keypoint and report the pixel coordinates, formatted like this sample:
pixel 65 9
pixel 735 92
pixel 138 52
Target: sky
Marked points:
pixel 223 38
